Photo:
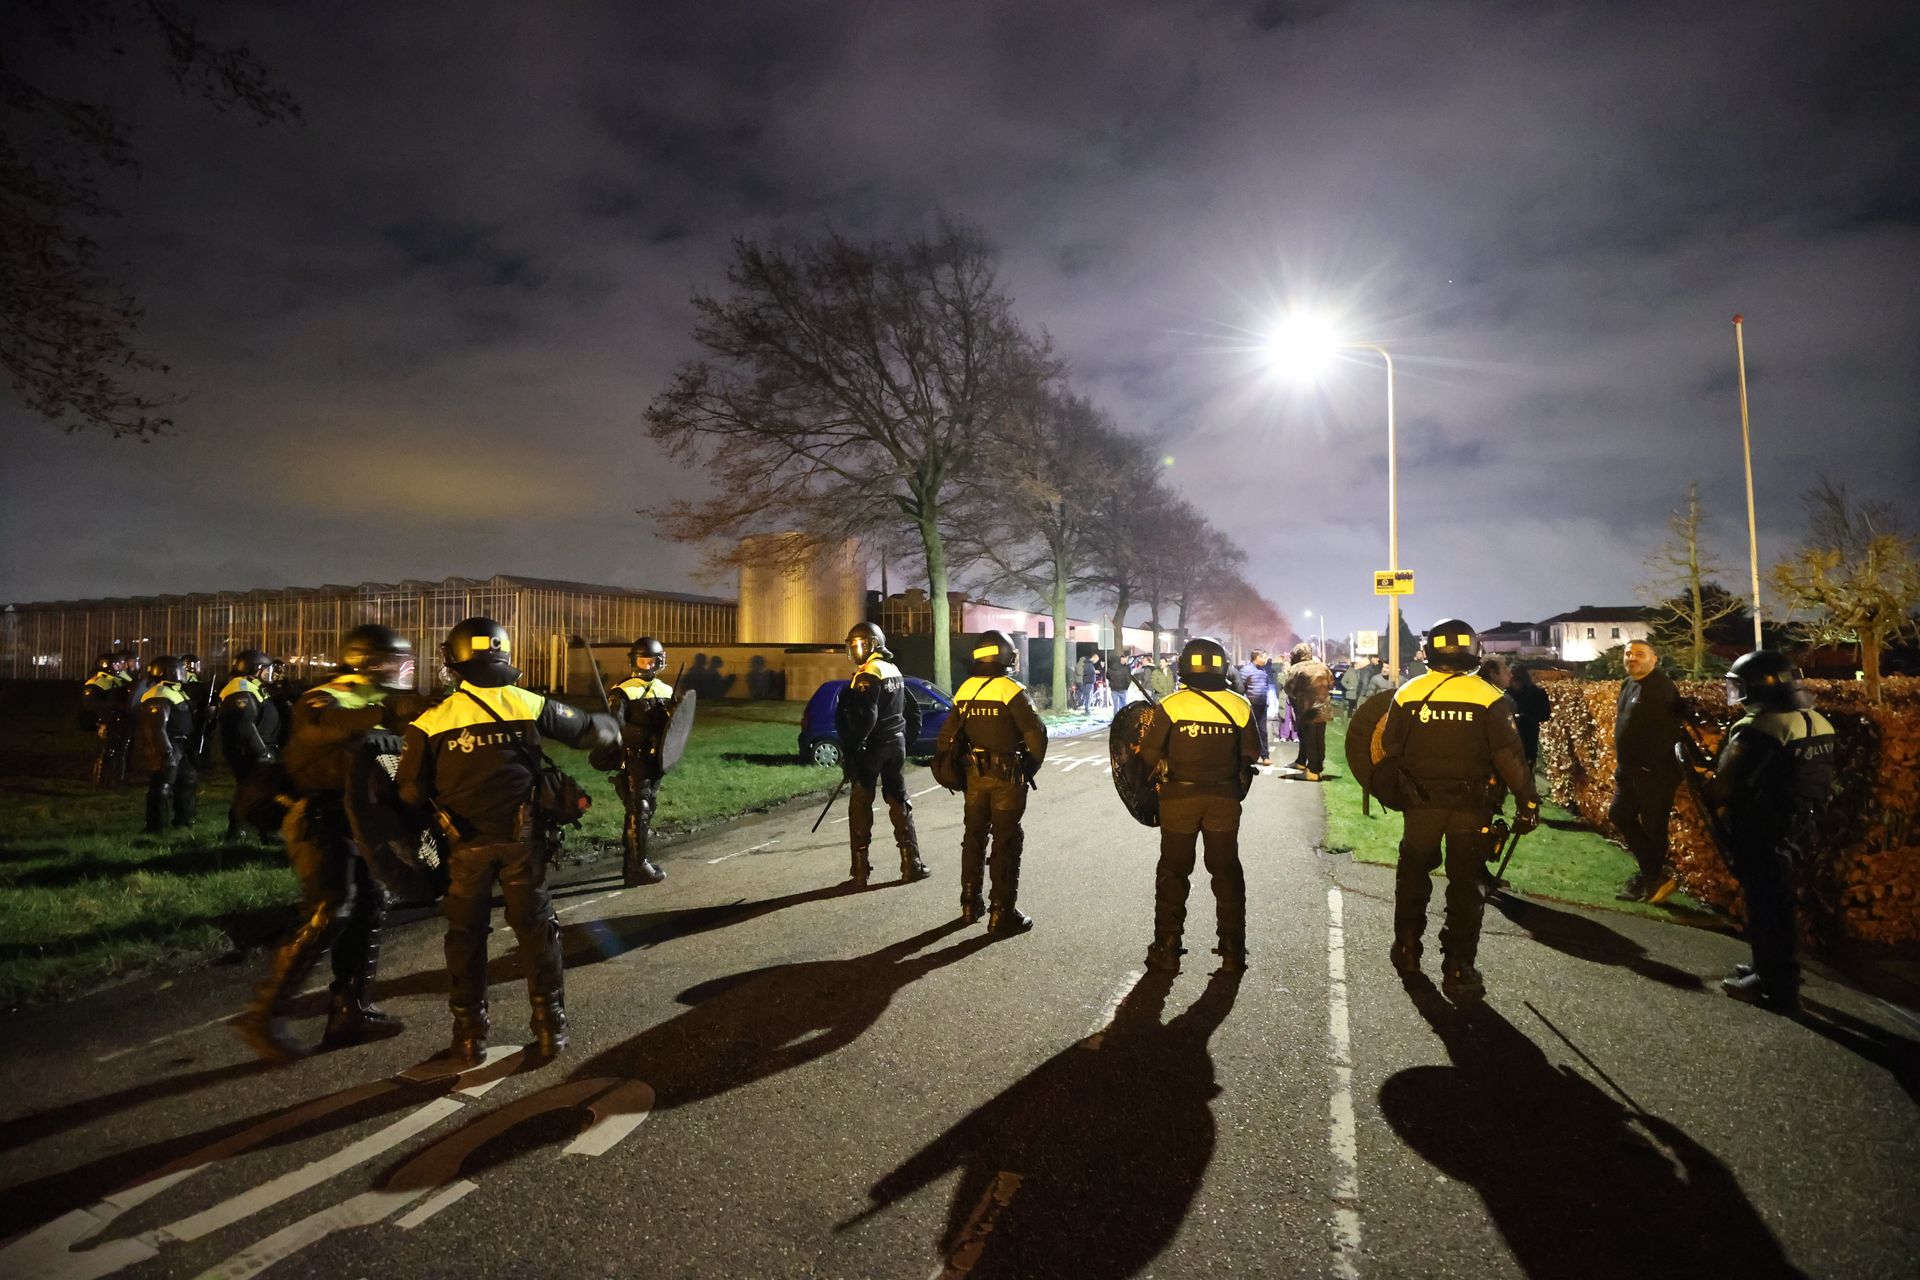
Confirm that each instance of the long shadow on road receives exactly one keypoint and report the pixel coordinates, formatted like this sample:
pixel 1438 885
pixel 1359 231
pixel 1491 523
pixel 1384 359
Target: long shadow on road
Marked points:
pixel 1087 1166
pixel 1578 1183
pixel 1587 939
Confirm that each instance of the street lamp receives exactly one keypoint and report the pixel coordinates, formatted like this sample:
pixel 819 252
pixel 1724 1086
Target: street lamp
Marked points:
pixel 1746 449
pixel 1323 633
pixel 1305 344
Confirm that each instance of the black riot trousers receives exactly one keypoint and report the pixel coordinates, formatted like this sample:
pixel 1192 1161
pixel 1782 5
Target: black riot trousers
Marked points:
pixel 1766 871
pixel 996 800
pixel 342 907
pixel 173 791
pixel 641 797
pixel 1642 806
pixel 1467 837
pixel 881 768
pixel 1185 820
pixel 520 869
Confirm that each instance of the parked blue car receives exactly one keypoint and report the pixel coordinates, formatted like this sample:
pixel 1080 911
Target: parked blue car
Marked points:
pixel 820 739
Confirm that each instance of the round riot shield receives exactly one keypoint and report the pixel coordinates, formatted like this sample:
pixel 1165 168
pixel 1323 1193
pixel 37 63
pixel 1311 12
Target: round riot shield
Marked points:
pixel 404 856
pixel 673 743
pixel 1369 722
pixel 1131 777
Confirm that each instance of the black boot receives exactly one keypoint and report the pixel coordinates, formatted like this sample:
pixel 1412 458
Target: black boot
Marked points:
pixel 1233 955
pixel 972 905
pixel 470 1030
pixel 1006 918
pixel 264 1024
pixel 1461 982
pixel 1406 951
pixel 549 1021
pixel 1005 921
pixel 1165 954
pixel 861 870
pixel 351 1020
pixel 159 801
pixel 636 868
pixel 911 868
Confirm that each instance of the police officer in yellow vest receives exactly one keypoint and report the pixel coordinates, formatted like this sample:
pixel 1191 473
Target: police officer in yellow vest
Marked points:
pixel 643 704
pixel 475 756
pixel 343 906
pixel 163 747
pixel 1203 739
pixel 104 702
pixel 877 719
pixel 249 726
pixel 1006 743
pixel 1450 742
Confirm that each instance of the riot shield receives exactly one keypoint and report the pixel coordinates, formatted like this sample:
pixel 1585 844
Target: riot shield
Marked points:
pixel 1364 732
pixel 673 744
pixel 1131 777
pixel 405 856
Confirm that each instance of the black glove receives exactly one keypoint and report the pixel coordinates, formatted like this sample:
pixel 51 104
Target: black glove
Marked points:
pixel 1527 817
pixel 1030 769
pixel 386 742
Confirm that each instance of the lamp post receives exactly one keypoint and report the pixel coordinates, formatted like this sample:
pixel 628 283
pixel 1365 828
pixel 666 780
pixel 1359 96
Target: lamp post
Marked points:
pixel 1746 448
pixel 1307 343
pixel 1323 633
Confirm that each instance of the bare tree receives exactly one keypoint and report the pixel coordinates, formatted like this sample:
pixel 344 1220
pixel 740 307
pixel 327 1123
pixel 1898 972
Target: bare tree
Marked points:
pixel 1856 573
pixel 846 386
pixel 1044 473
pixel 1243 617
pixel 67 326
pixel 1121 533
pixel 1686 600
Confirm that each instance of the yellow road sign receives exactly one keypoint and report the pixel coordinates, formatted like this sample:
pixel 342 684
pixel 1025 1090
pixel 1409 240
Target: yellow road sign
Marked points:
pixel 1393 582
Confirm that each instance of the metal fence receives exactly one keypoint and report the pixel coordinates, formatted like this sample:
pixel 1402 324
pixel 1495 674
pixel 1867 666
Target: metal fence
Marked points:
pixel 59 640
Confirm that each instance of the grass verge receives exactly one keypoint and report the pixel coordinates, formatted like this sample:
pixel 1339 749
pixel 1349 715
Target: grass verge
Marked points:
pixel 85 898
pixel 1563 860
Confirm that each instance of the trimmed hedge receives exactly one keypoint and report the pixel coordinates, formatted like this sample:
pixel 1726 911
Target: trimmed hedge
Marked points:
pixel 1862 882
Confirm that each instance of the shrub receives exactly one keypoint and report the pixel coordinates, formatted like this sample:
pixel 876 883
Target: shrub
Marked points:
pixel 1862 880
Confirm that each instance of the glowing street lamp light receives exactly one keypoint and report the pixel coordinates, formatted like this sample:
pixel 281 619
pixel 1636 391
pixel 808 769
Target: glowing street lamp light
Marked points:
pixel 1304 345
pixel 1323 632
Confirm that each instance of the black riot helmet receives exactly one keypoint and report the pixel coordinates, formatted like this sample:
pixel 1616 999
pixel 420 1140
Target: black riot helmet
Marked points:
pixel 190 662
pixel 379 652
pixel 106 663
pixel 250 662
pixel 1203 663
pixel 647 657
pixel 993 652
pixel 166 667
pixel 1768 678
pixel 865 640
pixel 1452 646
pixel 480 652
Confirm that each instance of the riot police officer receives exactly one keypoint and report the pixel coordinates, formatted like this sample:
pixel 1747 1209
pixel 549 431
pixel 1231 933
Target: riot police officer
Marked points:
pixel 1005 743
pixel 343 906
pixel 877 720
pixel 249 726
pixel 163 747
pixel 644 705
pixel 475 758
pixel 1773 776
pixel 105 709
pixel 1449 743
pixel 1202 740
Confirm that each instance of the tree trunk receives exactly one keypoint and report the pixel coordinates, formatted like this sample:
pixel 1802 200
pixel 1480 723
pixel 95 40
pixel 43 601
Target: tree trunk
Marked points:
pixel 1870 643
pixel 1058 692
pixel 936 551
pixel 1121 601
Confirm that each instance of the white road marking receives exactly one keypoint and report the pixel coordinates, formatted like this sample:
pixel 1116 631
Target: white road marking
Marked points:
pixel 916 795
pixel 744 852
pixel 444 1200
pixel 575 906
pixel 171 1035
pixel 1341 1133
pixel 973 1238
pixel 1098 1031
pixel 1069 763
pixel 1899 1013
pixel 615 1115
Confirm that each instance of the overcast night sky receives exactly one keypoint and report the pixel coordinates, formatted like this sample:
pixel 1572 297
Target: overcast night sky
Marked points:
pixel 417 329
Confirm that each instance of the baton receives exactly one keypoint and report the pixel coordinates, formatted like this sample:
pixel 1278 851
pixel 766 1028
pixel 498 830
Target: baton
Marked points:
pixel 599 683
pixel 1513 842
pixel 830 799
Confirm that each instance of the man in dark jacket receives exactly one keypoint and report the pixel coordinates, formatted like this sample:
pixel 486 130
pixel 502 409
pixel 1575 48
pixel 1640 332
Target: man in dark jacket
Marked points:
pixel 877 720
pixel 1006 742
pixel 474 758
pixel 163 746
pixel 1258 686
pixel 1310 689
pixel 1645 728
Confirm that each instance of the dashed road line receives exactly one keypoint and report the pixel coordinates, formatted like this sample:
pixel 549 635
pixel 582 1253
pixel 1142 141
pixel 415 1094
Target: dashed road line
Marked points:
pixel 1341 1133
pixel 744 852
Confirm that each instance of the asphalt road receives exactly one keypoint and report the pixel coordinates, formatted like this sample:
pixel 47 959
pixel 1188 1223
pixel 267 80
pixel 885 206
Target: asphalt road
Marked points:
pixel 774 1075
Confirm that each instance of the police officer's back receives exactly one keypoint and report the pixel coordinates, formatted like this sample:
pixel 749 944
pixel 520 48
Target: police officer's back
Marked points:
pixel 476 757
pixel 107 710
pixel 250 727
pixel 1774 775
pixel 163 747
pixel 878 720
pixel 1006 743
pixel 1449 744
pixel 1203 735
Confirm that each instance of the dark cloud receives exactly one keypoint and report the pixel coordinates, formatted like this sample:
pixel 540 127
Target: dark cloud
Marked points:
pixel 418 329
